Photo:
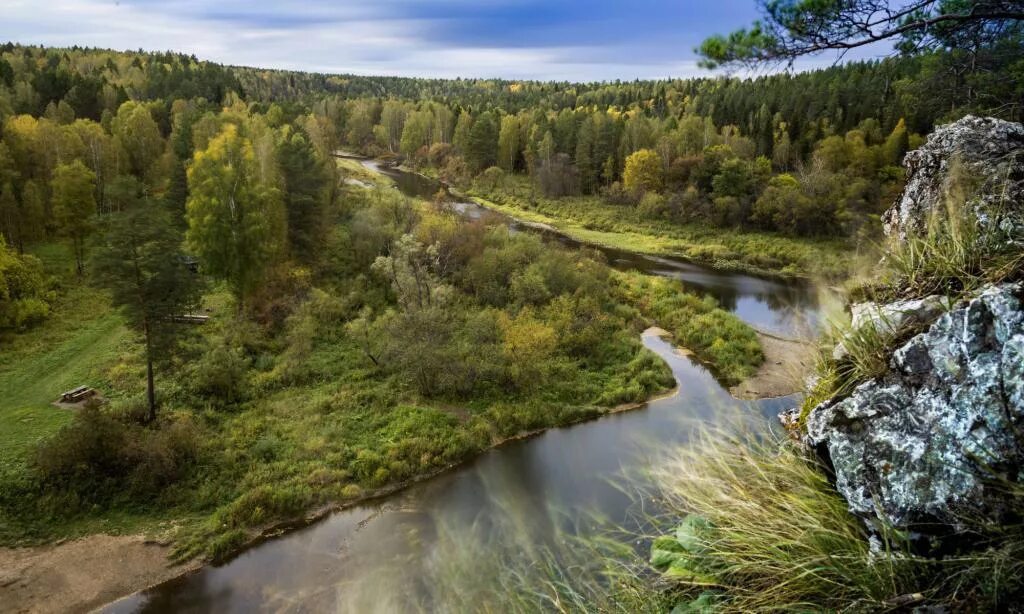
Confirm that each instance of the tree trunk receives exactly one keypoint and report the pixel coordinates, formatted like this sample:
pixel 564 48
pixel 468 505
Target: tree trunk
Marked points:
pixel 150 387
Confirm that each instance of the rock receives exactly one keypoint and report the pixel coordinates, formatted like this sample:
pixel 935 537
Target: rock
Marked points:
pixel 790 420
pixel 890 318
pixel 917 445
pixel 992 154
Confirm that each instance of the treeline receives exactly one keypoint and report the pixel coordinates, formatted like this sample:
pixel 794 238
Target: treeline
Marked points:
pixel 682 166
pixel 814 153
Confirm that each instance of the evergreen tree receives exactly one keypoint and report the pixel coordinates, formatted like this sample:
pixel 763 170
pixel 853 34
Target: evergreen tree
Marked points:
pixel 140 262
pixel 305 192
pixel 482 147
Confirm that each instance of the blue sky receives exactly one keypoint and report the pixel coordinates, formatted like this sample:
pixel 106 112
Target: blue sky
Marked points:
pixel 515 39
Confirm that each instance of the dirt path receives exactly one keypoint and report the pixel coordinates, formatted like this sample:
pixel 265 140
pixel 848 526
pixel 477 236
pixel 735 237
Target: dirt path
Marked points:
pixel 786 363
pixel 80 575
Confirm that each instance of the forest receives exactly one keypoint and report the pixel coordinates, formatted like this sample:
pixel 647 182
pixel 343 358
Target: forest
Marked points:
pixel 354 338
pixel 351 339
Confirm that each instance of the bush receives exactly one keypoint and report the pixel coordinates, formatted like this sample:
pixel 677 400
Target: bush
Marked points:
pixel 653 206
pixel 98 457
pixel 24 296
pixel 222 374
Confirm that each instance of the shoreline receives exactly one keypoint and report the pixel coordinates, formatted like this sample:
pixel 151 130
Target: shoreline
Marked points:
pixel 547 226
pixel 786 363
pixel 135 563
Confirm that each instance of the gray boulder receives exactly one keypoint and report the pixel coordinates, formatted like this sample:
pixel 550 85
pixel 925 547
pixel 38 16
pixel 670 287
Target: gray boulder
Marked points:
pixel 991 152
pixel 890 318
pixel 919 444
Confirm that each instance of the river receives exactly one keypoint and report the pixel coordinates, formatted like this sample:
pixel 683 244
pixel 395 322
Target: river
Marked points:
pixel 400 553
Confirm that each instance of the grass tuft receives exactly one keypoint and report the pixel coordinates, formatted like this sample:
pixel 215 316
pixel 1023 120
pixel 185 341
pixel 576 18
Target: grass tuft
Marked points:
pixel 767 531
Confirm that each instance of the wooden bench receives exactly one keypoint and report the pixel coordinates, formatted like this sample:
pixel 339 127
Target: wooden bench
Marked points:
pixel 77 395
pixel 190 318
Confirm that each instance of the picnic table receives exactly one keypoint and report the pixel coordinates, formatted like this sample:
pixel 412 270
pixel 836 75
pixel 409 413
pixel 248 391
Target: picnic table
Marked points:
pixel 76 395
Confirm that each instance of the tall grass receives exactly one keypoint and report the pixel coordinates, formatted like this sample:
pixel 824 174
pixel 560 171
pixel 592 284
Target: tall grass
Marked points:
pixel 957 251
pixel 773 534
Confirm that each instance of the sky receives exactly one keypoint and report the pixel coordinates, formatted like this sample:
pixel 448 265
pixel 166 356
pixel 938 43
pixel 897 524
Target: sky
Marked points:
pixel 514 39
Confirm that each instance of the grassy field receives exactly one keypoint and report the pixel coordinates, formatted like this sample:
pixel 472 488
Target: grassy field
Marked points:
pixel 75 346
pixel 592 220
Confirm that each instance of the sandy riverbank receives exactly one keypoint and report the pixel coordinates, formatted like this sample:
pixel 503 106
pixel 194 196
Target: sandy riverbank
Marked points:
pixel 786 363
pixel 80 575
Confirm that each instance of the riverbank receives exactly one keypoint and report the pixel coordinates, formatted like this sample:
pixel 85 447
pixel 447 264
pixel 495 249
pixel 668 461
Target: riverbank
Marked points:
pixel 787 363
pixel 592 221
pixel 721 250
pixel 82 574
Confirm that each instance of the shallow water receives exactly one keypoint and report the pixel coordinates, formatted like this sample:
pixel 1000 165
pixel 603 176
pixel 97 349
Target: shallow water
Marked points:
pixel 396 553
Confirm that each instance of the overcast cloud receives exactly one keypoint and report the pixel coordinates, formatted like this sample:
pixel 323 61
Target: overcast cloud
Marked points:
pixel 515 39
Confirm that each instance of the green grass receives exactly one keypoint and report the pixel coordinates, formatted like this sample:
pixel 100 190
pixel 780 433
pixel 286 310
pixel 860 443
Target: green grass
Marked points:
pixel 726 344
pixel 75 346
pixel 592 220
pixel 765 531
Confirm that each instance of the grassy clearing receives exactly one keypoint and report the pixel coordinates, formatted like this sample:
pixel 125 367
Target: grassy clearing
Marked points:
pixel 76 346
pixel 590 219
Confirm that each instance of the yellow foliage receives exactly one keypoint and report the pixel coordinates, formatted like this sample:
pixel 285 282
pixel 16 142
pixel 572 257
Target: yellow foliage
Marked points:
pixel 644 171
pixel 526 342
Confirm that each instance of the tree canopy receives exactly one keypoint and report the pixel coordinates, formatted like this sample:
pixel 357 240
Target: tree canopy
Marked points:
pixel 791 29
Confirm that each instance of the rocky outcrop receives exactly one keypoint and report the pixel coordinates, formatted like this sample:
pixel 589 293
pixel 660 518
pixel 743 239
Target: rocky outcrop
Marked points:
pixel 917 445
pixel 983 157
pixel 889 318
pixel 921 446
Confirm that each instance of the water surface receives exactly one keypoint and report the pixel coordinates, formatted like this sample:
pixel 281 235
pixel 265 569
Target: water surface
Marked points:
pixel 393 555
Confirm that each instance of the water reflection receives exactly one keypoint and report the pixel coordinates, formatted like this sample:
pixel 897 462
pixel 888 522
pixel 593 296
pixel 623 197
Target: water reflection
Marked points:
pixel 390 556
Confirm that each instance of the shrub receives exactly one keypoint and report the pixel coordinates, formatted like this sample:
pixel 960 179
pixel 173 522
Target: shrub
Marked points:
pixel 222 374
pixel 98 457
pixel 24 296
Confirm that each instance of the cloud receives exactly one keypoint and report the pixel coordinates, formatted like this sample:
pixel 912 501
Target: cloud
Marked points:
pixel 519 39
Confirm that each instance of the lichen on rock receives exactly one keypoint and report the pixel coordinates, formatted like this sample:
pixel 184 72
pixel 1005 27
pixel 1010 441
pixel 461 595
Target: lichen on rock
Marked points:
pixel 989 152
pixel 918 444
